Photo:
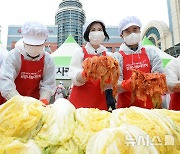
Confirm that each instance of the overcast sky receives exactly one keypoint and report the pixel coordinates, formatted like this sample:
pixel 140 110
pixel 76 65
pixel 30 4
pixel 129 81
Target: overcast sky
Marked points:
pixel 16 12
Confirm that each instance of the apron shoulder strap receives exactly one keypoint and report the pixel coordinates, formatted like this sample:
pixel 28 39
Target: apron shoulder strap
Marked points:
pixel 143 51
pixel 122 53
pixel 104 53
pixel 84 51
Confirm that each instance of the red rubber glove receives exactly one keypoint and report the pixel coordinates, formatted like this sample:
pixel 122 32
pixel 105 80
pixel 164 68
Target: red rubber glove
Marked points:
pixel 45 101
pixel 126 85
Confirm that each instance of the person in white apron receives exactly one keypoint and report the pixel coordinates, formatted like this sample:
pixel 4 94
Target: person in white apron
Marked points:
pixel 60 91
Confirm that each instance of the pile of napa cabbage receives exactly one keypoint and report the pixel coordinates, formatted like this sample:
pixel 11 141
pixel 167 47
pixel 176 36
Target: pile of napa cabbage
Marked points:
pixel 28 127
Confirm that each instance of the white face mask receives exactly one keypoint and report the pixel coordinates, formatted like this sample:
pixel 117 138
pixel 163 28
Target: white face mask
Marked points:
pixel 33 51
pixel 96 37
pixel 132 39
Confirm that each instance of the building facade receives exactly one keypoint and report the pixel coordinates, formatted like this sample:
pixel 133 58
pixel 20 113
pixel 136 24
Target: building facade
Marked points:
pixel 164 37
pixel 114 41
pixel 14 34
pixel 70 18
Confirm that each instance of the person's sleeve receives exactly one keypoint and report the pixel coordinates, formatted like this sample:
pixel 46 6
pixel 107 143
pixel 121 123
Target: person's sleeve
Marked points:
pixel 155 60
pixel 3 55
pixel 75 68
pixel 9 71
pixel 119 58
pixel 48 83
pixel 172 72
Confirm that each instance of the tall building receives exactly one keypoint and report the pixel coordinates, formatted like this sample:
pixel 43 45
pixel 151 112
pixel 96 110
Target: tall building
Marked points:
pixel 164 37
pixel 70 18
pixel 174 23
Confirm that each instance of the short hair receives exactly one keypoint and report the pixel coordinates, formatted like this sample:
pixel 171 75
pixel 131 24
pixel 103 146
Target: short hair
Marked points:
pixel 87 31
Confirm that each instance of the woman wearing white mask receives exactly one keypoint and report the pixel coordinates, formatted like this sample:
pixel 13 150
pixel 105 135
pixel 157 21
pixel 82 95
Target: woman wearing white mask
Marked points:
pixel 29 70
pixel 86 93
pixel 133 55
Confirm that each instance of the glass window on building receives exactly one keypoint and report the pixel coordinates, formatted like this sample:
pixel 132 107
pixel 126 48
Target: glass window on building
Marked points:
pixel 159 45
pixel 152 40
pixel 47 49
pixel 109 49
pixel 116 49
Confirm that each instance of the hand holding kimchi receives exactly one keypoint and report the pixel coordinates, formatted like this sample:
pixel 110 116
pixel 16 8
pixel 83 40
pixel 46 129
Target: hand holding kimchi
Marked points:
pixel 104 68
pixel 152 85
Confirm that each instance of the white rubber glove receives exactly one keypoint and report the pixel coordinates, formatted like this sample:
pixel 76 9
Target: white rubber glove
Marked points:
pixel 80 78
pixel 176 88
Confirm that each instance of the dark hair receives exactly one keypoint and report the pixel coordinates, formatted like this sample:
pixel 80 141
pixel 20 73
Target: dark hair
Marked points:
pixel 86 33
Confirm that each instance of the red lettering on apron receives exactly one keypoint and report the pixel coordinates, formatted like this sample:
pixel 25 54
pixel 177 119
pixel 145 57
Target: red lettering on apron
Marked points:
pixel 28 79
pixel 134 61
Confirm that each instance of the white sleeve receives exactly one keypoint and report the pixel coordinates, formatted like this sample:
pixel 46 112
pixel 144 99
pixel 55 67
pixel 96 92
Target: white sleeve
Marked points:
pixel 9 71
pixel 76 66
pixel 172 71
pixel 48 83
pixel 3 55
pixel 155 60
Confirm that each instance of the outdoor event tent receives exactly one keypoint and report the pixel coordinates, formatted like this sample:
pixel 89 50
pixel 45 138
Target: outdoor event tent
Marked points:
pixel 164 56
pixel 146 41
pixel 62 56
